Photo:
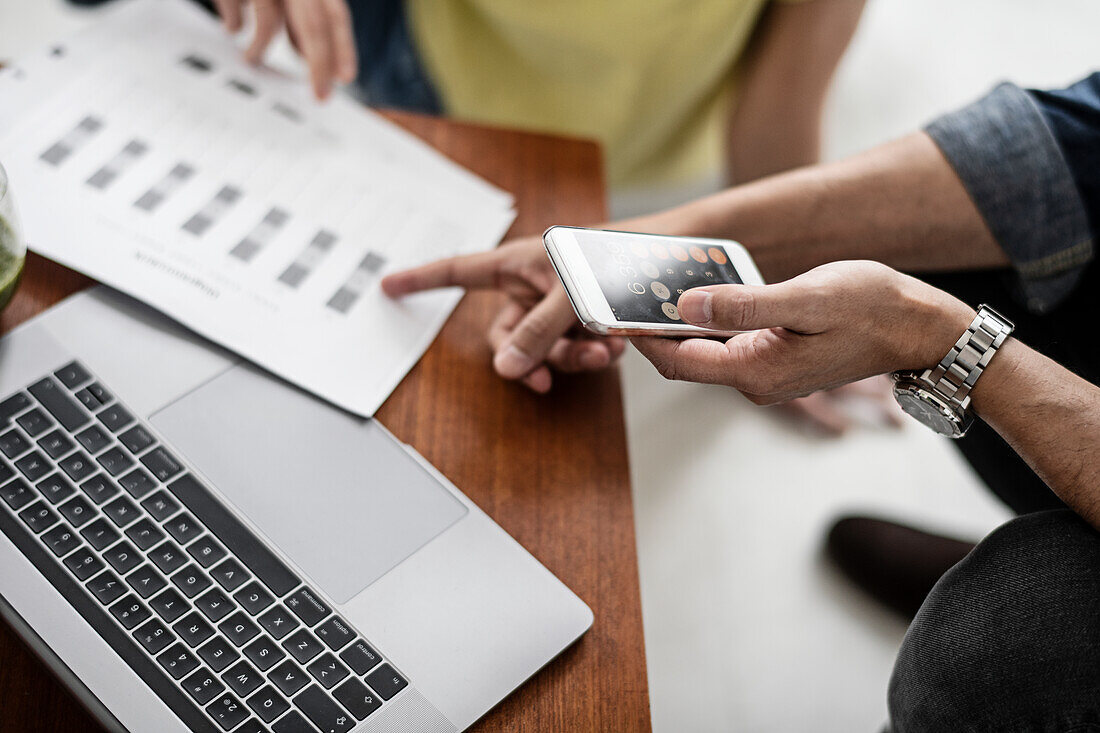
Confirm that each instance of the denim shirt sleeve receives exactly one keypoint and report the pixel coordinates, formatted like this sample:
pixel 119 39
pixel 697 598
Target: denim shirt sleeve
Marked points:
pixel 1009 159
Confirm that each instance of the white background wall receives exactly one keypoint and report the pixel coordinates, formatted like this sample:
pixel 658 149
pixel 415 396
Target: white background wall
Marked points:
pixel 746 628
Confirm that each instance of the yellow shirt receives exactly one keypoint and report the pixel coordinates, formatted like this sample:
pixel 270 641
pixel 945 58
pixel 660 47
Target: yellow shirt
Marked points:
pixel 649 79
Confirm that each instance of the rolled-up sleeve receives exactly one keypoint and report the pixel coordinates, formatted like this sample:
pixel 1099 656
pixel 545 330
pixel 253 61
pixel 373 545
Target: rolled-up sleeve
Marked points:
pixel 1008 156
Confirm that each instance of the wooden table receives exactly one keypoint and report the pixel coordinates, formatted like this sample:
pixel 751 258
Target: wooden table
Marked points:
pixel 551 470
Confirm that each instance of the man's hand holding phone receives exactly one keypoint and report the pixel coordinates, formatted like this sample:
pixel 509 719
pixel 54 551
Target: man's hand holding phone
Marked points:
pixel 831 326
pixel 536 329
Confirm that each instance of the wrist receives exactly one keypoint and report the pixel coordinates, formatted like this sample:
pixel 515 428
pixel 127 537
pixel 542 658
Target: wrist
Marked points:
pixel 933 320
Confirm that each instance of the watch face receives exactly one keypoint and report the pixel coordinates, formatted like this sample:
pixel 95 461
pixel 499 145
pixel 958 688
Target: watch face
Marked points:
pixel 922 406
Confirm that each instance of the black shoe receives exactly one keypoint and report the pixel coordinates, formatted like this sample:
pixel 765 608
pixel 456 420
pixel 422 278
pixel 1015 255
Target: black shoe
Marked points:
pixel 895 564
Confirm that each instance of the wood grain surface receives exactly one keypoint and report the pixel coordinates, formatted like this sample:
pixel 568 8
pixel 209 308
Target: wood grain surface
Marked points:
pixel 551 470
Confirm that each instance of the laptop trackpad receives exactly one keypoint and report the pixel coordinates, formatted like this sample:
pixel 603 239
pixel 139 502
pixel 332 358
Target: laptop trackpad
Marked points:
pixel 337 494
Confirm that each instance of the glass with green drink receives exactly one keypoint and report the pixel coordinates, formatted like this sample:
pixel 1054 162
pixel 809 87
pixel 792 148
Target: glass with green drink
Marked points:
pixel 12 248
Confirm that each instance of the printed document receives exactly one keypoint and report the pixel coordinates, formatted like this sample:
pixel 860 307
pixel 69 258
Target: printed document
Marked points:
pixel 147 154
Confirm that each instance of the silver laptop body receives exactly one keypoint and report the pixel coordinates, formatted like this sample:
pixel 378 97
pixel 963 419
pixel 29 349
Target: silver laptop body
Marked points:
pixel 395 603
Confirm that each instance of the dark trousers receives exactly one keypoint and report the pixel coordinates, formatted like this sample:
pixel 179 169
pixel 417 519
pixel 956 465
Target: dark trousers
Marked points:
pixel 1009 639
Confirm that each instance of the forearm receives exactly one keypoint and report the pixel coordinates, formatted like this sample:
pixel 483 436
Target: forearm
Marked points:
pixel 899 203
pixel 1051 417
pixel 782 83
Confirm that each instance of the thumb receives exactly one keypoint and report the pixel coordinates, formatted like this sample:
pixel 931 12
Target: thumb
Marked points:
pixel 534 335
pixel 788 305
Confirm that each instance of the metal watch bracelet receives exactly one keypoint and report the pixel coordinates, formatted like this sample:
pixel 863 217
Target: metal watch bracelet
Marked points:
pixel 954 377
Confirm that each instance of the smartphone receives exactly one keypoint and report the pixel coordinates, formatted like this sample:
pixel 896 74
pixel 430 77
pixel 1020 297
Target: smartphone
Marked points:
pixel 628 284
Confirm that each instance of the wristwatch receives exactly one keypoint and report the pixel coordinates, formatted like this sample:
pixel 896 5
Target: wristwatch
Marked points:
pixel 939 397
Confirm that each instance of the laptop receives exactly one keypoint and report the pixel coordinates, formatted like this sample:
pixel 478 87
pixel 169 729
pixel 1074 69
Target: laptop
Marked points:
pixel 193 545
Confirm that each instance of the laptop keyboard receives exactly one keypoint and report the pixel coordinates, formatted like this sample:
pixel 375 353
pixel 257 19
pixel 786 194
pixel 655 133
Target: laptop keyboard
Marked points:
pixel 218 627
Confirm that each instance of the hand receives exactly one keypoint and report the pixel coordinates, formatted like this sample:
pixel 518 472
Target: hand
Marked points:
pixel 320 29
pixel 536 329
pixel 833 325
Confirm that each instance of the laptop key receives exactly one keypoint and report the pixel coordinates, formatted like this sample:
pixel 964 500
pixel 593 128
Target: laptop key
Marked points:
pixel 214 605
pixel 293 722
pixel 360 657
pixel 289 678
pixel 183 528
pixel 93 439
pixel 268 703
pixel 241 541
pixel 146 581
pixel 137 483
pixel 178 661
pixel 34 465
pixel 229 574
pixel 254 598
pixel 115 417
pixel 308 606
pixel 7 473
pixel 218 653
pixel 12 444
pixel 145 534
pixel 255 726
pixel 100 534
pixel 87 398
pixel 160 505
pixel 61 540
pixel 99 488
pixel 303 646
pixel 83 564
pixel 264 653
pixel 191 581
pixel 34 422
pixel 154 636
pixel 59 404
pixel 123 557
pixel 169 605
pixel 227 711
pixel 278 622
pixel 168 557
pixel 335 633
pixel 130 612
pixel 359 700
pixel 161 463
pixel 121 511
pixel 193 629
pixel 98 391
pixel 322 711
pixel 78 511
pixel 386 682
pixel 77 465
pixel 106 587
pixel 242 678
pixel 16 494
pixel 203 686
pixel 206 551
pixel 39 517
pixel 56 444
pixel 326 670
pixel 72 375
pixel 239 628
pixel 136 439
pixel 13 405
pixel 55 488
pixel 115 460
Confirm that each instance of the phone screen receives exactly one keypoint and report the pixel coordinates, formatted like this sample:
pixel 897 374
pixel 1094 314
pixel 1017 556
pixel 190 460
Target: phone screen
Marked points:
pixel 644 277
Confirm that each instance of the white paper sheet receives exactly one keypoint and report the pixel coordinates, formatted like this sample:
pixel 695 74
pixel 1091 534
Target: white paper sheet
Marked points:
pixel 147 154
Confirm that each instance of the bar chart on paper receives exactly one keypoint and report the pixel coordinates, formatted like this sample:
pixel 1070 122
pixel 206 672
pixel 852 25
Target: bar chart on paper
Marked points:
pixel 149 156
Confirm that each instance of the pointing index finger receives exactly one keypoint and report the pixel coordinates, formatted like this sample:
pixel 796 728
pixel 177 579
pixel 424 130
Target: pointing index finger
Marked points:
pixel 480 270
